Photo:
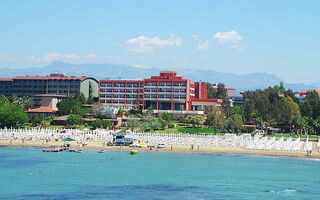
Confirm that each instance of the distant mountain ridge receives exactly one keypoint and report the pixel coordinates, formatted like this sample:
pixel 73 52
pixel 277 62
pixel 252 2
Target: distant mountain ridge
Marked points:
pixel 114 71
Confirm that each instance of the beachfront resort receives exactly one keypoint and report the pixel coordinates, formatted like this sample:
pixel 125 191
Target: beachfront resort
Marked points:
pixel 167 109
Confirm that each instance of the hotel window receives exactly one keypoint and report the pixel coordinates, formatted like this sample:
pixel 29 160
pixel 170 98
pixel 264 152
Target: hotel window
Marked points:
pixel 154 90
pixel 121 96
pixel 108 101
pixel 102 90
pixel 115 96
pixel 162 84
pixel 121 101
pixel 109 84
pixel 147 96
pixel 117 85
pixel 129 102
pixel 154 96
pixel 175 90
pixel 102 95
pixel 161 96
pixel 154 83
pixel 122 90
pixel 102 101
pixel 109 95
pixel 115 101
pixel 109 90
pixel 168 96
pixel 122 85
pixel 135 85
pixel 135 90
pixel 141 84
pixel 129 91
pixel 148 84
pixel 168 90
pixel 176 96
pixel 182 96
pixel 176 84
pixel 183 84
pixel 129 85
pixel 183 90
pixel 102 85
pixel 115 90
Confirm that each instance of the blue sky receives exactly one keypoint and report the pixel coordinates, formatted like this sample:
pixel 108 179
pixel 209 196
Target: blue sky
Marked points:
pixel 277 37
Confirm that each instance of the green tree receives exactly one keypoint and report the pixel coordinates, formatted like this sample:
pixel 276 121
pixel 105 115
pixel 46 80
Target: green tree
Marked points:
pixel 196 122
pixel 235 122
pixel 289 110
pixel 80 98
pixel 133 123
pixel 73 120
pixel 66 105
pixel 214 118
pixel 96 124
pixel 12 115
pixel 106 124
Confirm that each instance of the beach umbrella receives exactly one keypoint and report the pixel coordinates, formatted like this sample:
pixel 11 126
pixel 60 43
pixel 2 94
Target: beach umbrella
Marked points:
pixel 68 139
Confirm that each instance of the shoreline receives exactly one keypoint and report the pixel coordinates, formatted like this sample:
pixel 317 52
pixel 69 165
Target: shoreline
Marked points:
pixel 213 150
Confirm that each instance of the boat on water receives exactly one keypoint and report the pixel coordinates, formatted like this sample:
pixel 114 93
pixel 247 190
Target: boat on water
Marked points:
pixel 101 151
pixel 133 152
pixel 52 149
pixel 75 150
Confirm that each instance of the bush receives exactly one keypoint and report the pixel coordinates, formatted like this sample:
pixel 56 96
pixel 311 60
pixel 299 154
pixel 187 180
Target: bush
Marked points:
pixel 96 124
pixel 74 120
pixel 171 125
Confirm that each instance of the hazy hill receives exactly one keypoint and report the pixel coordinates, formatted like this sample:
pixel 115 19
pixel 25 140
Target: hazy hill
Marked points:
pixel 102 71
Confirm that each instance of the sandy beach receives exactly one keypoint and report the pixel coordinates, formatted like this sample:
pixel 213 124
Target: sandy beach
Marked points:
pixel 168 148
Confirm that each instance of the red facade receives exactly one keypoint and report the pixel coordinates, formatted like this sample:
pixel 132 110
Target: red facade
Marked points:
pixel 168 91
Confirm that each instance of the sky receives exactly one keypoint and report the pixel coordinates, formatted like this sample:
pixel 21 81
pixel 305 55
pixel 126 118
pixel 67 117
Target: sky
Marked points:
pixel 234 36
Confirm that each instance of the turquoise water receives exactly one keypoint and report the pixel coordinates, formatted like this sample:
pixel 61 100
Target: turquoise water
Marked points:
pixel 28 173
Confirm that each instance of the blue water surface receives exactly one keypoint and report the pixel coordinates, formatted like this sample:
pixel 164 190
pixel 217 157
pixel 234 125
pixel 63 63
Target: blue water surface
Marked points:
pixel 28 173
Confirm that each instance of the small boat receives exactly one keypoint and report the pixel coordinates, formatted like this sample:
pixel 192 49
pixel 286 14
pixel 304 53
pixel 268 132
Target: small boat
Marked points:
pixel 133 152
pixel 51 150
pixel 101 151
pixel 79 151
pixel 72 150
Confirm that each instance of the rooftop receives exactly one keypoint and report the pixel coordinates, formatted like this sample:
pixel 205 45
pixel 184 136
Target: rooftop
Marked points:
pixel 41 110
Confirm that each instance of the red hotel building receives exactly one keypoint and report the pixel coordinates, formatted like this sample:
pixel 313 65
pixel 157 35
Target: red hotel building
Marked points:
pixel 165 93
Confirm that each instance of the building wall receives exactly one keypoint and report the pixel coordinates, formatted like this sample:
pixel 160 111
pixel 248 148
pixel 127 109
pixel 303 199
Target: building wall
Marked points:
pixel 54 84
pixel 5 88
pixel 40 101
pixel 165 92
pixel 89 87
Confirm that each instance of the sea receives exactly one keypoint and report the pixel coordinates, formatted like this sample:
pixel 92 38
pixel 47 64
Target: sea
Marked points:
pixel 29 173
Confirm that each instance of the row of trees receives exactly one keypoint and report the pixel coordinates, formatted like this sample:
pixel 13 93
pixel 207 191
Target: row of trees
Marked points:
pixel 271 107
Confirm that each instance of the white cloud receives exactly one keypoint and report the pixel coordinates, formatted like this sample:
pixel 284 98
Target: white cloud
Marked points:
pixel 91 56
pixel 144 44
pixel 201 45
pixel 231 38
pixel 227 37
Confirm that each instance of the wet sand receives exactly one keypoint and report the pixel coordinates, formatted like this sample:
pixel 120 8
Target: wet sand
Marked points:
pixel 169 148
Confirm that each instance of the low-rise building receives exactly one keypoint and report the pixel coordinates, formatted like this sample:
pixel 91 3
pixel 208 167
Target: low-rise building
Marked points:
pixel 42 112
pixel 56 83
pixel 46 100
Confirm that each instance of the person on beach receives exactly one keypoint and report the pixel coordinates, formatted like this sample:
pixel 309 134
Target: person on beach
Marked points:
pixel 192 147
pixel 171 147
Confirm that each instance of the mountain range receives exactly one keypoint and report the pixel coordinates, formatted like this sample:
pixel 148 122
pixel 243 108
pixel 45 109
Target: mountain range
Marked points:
pixel 115 71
